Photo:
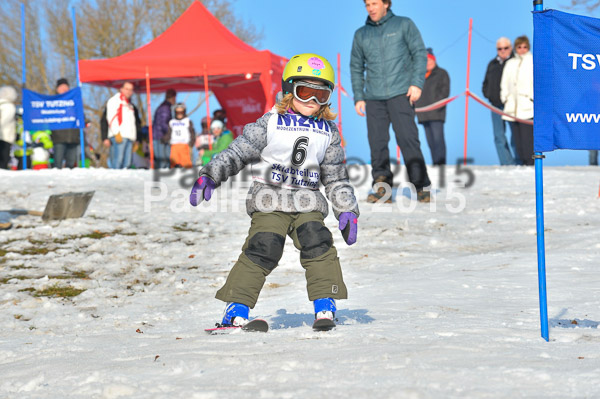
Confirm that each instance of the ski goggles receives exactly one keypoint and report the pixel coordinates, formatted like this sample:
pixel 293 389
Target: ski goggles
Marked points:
pixel 305 91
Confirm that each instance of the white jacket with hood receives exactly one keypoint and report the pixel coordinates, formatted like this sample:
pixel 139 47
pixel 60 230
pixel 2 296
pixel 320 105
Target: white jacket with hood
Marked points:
pixel 516 87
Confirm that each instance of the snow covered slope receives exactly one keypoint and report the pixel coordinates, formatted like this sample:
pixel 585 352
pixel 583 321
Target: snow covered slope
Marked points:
pixel 442 298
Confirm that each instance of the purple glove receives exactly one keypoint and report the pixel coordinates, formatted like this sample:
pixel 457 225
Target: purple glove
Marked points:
pixel 202 190
pixel 349 227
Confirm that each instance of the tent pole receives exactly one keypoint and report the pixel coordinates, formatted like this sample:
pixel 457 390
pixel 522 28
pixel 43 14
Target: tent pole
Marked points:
pixel 208 121
pixel 149 116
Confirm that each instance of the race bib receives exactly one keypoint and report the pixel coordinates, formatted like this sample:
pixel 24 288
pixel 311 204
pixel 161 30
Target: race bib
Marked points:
pixel 296 146
pixel 180 131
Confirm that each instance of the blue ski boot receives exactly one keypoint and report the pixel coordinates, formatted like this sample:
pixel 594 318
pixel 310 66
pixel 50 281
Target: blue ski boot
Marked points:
pixel 236 314
pixel 324 314
pixel 325 308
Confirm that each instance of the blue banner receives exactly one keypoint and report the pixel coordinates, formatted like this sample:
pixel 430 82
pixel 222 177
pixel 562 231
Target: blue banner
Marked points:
pixel 566 76
pixel 45 112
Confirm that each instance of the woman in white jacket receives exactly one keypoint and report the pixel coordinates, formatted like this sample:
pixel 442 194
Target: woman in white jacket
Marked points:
pixel 8 96
pixel 516 92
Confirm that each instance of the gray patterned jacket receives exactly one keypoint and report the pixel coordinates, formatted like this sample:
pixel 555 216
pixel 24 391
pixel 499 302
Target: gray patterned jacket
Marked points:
pixel 247 149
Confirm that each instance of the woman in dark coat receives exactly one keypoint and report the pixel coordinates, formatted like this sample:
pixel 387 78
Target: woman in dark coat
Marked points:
pixel 436 88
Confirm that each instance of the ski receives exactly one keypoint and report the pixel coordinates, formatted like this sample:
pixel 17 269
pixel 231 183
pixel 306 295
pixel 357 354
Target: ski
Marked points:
pixel 323 325
pixel 256 325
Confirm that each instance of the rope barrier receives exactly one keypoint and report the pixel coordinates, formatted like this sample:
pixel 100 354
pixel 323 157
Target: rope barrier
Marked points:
pixel 446 101
pixel 497 110
pixel 439 104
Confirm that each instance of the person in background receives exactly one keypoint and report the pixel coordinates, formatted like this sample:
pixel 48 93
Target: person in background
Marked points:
pixel 92 155
pixel 123 127
pixel 22 137
pixel 181 137
pixel 141 150
pixel 516 93
pixel 594 157
pixel 491 91
pixel 66 141
pixel 160 128
pixel 8 125
pixel 436 88
pixel 222 140
pixel 221 115
pixel 203 140
pixel 41 146
pixel 390 50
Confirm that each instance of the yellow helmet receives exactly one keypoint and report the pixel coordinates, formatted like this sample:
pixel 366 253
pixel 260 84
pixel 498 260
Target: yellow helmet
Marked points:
pixel 307 66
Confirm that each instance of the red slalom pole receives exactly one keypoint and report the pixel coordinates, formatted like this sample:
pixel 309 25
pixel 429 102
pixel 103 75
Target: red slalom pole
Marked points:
pixel 339 86
pixel 208 121
pixel 467 96
pixel 148 110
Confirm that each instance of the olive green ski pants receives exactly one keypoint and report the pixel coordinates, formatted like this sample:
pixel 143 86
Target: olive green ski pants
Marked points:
pixel 263 250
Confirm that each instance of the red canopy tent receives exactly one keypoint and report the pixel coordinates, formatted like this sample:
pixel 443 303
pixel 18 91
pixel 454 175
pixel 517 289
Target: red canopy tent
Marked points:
pixel 197 53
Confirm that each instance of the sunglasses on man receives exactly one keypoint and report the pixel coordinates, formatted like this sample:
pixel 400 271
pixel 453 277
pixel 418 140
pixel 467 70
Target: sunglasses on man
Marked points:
pixel 305 91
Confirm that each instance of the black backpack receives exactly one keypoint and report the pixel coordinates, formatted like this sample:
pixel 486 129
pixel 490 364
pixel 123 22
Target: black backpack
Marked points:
pixel 103 126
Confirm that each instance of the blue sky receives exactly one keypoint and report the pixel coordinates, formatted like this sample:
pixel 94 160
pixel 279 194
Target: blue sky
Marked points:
pixel 327 27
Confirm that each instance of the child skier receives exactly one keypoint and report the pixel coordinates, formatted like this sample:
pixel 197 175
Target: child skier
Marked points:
pixel 222 139
pixel 42 144
pixel 181 136
pixel 291 148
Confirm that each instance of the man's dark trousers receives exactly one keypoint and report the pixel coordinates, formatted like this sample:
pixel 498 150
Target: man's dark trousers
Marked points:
pixel 434 132
pixel 401 114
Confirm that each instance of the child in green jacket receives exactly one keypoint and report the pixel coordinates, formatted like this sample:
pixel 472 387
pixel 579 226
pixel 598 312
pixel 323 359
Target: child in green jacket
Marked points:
pixel 222 140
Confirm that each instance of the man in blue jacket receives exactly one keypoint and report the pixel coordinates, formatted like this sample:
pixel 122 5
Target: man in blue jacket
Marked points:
pixel 390 50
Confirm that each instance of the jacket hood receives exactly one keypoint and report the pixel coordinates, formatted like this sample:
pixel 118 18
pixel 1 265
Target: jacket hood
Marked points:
pixel 383 20
pixel 8 93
